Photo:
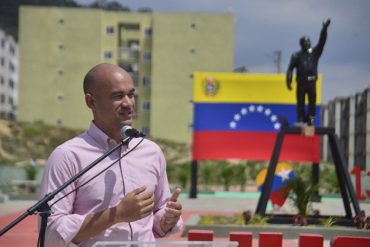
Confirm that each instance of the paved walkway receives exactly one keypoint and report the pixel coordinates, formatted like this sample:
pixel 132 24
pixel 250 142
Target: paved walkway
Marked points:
pixel 25 233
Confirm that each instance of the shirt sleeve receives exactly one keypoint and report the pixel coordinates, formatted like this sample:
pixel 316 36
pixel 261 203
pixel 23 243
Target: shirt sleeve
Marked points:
pixel 63 225
pixel 162 195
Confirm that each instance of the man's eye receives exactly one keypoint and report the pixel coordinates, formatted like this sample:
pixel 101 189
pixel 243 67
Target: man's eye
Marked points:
pixel 117 96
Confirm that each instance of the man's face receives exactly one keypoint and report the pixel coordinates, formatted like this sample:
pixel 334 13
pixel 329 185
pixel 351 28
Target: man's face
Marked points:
pixel 114 102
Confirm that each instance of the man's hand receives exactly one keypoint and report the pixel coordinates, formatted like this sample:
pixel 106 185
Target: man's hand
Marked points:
pixel 326 23
pixel 134 206
pixel 172 212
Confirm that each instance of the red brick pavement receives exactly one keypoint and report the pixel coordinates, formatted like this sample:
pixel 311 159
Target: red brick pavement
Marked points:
pixel 25 233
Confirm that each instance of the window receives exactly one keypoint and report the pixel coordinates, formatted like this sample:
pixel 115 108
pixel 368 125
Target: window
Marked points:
pixel 1 80
pixel 11 49
pixel 109 30
pixel 148 32
pixel 2 61
pixel 146 81
pixel 11 67
pixel 108 55
pixel 3 43
pixel 147 56
pixel 146 106
pixel 10 101
pixel 59 122
pixel 60 97
pixel 11 83
pixel 145 130
pixel 2 98
pixel 61 47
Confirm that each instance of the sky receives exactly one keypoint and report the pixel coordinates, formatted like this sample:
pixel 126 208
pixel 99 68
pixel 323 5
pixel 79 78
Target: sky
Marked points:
pixel 263 27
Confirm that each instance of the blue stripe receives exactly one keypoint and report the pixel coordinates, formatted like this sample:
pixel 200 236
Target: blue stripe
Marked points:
pixel 244 116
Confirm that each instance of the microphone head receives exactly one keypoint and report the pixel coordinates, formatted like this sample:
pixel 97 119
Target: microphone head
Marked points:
pixel 128 131
pixel 124 131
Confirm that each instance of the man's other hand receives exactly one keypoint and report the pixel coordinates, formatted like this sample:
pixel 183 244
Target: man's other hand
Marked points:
pixel 172 212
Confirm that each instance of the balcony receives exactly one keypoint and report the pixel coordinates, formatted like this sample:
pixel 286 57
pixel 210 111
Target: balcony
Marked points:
pixel 129 53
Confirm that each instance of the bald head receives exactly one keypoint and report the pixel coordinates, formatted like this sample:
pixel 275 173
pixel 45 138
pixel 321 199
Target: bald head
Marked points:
pixel 110 94
pixel 99 74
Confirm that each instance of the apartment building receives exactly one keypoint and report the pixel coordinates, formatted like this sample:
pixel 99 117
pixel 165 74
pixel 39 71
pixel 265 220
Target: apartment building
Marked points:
pixel 8 76
pixel 350 116
pixel 160 50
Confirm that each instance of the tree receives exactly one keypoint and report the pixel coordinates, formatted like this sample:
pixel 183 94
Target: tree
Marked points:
pixel 9 12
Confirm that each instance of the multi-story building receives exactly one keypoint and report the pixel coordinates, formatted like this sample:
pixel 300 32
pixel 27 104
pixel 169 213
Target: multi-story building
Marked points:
pixel 160 50
pixel 8 76
pixel 350 117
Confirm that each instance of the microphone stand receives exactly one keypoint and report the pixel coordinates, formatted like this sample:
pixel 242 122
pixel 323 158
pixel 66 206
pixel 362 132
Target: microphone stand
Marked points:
pixel 42 205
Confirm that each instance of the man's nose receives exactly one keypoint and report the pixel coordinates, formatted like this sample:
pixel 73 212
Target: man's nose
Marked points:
pixel 126 101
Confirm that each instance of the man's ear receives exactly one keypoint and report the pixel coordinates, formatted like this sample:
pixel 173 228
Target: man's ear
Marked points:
pixel 90 101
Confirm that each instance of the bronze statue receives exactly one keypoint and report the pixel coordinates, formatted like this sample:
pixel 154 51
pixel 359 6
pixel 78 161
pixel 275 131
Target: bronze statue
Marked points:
pixel 305 62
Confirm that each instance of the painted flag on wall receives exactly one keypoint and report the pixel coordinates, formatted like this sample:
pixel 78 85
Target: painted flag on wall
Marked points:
pixel 236 117
pixel 284 174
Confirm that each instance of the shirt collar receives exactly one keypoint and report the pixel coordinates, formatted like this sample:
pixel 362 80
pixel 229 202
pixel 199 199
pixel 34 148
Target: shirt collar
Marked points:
pixel 100 137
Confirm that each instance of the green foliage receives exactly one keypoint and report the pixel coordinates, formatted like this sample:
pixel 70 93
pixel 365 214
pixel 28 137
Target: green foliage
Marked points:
pixel 31 140
pixel 240 175
pixel 236 219
pixel 328 178
pixel 9 12
pixel 171 172
pixel 253 168
pixel 329 222
pixel 206 171
pixel 31 172
pixel 226 174
pixel 303 192
pixel 183 175
pixel 258 220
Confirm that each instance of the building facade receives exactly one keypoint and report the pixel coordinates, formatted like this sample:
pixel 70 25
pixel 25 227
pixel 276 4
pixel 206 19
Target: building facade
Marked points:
pixel 8 76
pixel 350 116
pixel 160 50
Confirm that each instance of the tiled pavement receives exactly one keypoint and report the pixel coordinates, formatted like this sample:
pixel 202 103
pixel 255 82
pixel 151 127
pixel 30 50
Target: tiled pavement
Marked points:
pixel 25 233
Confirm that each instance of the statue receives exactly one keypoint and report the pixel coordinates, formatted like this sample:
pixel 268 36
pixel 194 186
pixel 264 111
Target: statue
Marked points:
pixel 305 62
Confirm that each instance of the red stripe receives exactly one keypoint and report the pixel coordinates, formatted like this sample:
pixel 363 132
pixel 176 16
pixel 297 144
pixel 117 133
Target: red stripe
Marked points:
pixel 219 145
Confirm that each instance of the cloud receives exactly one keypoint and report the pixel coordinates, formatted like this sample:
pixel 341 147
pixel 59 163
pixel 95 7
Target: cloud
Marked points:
pixel 343 81
pixel 264 26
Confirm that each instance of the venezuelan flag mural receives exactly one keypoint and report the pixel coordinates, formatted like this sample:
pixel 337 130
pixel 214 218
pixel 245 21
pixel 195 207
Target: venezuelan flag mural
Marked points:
pixel 284 174
pixel 236 116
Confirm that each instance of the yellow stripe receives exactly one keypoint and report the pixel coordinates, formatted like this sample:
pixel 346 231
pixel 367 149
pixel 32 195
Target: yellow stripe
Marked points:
pixel 243 88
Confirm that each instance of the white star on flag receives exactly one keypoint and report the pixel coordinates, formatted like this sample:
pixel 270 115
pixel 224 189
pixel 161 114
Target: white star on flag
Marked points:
pixel 267 112
pixel 277 126
pixel 284 174
pixel 244 111
pixel 260 108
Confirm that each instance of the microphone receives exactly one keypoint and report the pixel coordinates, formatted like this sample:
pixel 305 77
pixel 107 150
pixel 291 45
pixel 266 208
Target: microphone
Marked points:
pixel 128 132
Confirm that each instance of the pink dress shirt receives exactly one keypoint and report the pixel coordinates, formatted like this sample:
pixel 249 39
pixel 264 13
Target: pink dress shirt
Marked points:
pixel 145 165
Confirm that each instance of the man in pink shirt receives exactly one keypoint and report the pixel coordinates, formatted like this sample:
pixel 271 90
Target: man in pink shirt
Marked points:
pixel 129 201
